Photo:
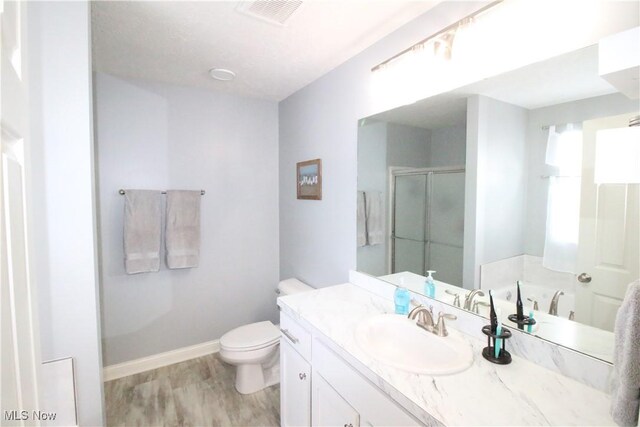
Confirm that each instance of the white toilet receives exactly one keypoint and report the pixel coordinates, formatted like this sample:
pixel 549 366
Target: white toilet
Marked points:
pixel 253 348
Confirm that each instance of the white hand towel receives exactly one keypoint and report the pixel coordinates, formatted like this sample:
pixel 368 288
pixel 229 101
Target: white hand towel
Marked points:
pixel 183 228
pixel 142 231
pixel 362 220
pixel 625 398
pixel 375 217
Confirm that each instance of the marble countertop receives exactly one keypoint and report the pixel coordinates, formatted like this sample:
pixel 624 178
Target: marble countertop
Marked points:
pixel 525 393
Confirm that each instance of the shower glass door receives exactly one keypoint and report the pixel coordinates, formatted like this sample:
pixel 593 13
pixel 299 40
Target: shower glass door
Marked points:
pixel 409 223
pixel 446 226
pixel 428 223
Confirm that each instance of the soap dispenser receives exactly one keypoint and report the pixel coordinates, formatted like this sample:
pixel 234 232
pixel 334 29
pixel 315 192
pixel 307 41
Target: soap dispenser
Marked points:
pixel 401 298
pixel 429 285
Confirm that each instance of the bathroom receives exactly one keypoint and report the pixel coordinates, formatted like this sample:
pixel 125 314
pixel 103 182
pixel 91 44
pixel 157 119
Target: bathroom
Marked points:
pixel 142 112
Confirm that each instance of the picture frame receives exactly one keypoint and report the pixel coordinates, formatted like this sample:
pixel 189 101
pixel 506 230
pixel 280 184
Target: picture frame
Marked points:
pixel 309 179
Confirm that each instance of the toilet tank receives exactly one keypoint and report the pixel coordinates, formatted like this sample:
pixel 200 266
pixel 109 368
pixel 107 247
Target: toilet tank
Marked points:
pixel 292 286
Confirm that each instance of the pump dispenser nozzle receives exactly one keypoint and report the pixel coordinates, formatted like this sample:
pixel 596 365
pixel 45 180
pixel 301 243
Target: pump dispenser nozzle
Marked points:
pixel 429 285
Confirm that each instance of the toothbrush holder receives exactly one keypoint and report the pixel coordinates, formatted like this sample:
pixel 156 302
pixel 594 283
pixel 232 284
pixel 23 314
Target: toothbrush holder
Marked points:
pixel 504 357
pixel 525 321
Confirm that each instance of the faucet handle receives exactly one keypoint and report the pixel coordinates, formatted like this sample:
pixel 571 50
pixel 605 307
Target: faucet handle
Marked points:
pixel 456 297
pixel 441 329
pixel 476 305
pixel 449 316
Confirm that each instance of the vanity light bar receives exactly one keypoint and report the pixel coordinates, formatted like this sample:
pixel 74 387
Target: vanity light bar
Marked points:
pixel 445 30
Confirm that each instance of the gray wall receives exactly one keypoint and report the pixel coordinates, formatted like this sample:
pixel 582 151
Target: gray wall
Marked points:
pixel 495 184
pixel 158 136
pixel 570 112
pixel 408 146
pixel 448 146
pixel 317 238
pixel 64 260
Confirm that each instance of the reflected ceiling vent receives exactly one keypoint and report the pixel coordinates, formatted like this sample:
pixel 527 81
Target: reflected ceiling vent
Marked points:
pixel 275 12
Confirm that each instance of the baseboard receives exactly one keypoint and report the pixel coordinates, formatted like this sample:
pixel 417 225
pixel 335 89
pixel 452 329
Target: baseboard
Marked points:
pixel 136 366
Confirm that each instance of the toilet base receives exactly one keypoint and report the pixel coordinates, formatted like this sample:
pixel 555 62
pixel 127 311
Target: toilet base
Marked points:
pixel 253 377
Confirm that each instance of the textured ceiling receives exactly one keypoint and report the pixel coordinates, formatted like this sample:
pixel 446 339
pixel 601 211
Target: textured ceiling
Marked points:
pixel 178 42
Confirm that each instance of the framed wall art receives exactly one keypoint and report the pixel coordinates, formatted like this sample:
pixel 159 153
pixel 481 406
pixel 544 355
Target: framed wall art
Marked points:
pixel 309 179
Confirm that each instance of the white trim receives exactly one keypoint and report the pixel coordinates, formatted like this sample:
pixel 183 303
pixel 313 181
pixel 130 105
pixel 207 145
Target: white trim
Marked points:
pixel 136 366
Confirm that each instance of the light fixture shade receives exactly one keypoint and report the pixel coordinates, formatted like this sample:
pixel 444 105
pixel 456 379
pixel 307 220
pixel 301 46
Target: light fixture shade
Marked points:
pixel 618 156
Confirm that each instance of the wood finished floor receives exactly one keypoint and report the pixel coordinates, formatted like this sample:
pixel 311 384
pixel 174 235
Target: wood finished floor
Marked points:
pixel 198 392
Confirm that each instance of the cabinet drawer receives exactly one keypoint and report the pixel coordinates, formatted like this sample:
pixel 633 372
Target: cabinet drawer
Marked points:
pixel 295 335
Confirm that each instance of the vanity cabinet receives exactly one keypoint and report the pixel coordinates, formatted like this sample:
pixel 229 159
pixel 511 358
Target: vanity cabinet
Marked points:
pixel 295 387
pixel 329 408
pixel 374 408
pixel 295 373
pixel 320 388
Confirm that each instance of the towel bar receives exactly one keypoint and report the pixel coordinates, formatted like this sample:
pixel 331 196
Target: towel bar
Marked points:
pixel 163 192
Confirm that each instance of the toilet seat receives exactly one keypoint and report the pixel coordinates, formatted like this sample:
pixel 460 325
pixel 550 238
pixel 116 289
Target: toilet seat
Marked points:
pixel 250 337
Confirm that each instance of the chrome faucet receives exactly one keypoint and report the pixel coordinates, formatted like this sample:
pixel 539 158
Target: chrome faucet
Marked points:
pixel 425 317
pixel 553 307
pixel 535 303
pixel 468 300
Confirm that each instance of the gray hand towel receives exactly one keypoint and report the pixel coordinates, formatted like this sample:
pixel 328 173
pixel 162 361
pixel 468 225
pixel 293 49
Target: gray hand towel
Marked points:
pixel 183 229
pixel 142 231
pixel 375 217
pixel 362 220
pixel 625 398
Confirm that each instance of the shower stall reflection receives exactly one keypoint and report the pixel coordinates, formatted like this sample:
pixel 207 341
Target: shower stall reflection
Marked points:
pixel 427 223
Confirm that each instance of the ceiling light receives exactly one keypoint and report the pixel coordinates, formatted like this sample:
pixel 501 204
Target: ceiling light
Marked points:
pixel 442 41
pixel 222 74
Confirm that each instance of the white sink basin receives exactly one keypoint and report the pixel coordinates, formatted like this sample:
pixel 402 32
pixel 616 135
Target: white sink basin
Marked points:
pixel 396 341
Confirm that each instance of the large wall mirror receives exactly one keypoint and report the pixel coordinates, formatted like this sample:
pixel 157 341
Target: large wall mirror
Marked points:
pixel 499 182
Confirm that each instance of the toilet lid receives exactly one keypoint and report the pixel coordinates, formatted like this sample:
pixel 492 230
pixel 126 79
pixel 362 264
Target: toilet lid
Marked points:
pixel 254 335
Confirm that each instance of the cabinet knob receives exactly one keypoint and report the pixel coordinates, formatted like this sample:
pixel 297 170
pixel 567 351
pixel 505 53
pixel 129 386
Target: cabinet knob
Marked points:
pixel 348 425
pixel 302 376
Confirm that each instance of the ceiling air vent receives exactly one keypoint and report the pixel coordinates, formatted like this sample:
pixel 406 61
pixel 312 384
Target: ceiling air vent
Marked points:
pixel 273 11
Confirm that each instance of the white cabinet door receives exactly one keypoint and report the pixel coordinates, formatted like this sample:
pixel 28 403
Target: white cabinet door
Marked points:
pixel 329 408
pixel 295 387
